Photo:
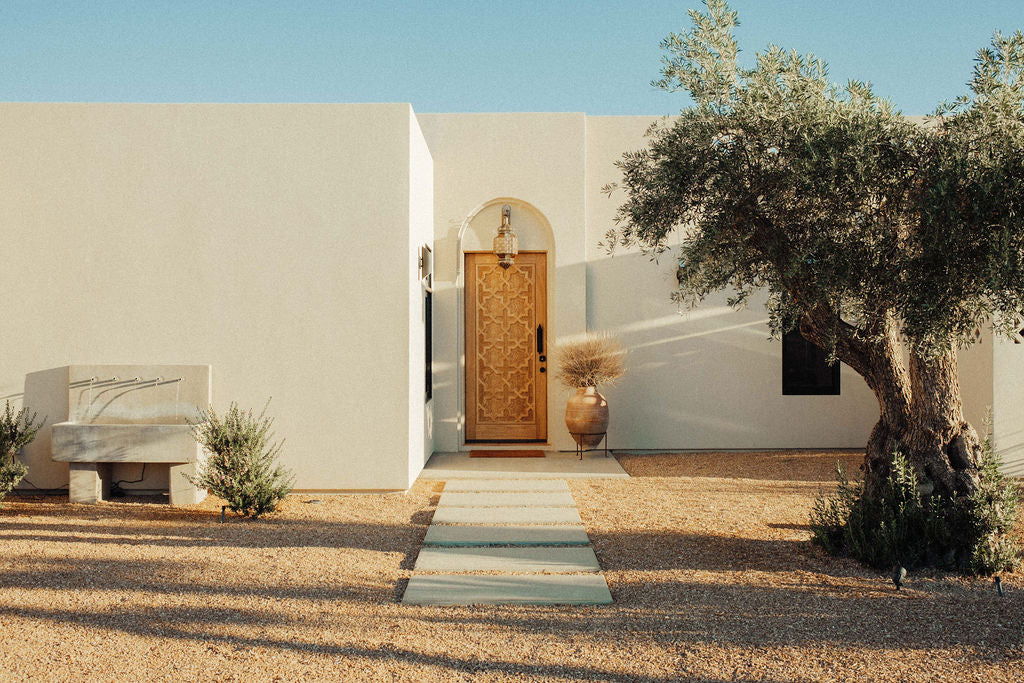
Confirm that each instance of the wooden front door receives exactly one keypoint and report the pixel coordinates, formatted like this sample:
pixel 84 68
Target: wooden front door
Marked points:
pixel 506 368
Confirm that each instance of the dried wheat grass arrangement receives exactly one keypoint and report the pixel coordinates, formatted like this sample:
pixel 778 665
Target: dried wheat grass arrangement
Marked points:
pixel 596 359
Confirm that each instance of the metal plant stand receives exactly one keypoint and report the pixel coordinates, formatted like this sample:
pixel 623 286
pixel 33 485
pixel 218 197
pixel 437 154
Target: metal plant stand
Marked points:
pixel 580 450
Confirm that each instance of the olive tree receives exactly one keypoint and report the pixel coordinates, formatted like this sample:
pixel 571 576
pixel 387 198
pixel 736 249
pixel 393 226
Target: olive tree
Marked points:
pixel 887 242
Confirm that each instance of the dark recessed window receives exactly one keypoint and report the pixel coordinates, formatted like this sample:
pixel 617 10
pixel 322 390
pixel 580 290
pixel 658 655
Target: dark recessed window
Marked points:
pixel 429 333
pixel 805 368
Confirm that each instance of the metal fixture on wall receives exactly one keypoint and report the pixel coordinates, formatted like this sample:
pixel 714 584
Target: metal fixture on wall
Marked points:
pixel 506 244
pixel 426 263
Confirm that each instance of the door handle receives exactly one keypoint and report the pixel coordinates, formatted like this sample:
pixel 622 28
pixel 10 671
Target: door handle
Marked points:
pixel 540 339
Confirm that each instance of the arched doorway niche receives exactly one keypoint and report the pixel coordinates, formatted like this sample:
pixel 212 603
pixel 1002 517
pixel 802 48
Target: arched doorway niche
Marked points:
pixel 477 234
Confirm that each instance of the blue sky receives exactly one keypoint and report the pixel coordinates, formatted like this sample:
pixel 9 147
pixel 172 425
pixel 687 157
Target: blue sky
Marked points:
pixel 597 57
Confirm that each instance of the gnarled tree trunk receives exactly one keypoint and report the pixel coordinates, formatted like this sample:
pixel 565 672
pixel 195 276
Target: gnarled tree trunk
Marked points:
pixel 940 443
pixel 921 413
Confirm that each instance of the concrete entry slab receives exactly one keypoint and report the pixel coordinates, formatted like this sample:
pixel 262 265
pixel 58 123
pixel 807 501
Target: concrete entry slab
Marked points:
pixel 536 559
pixel 506 515
pixel 505 535
pixel 537 589
pixel 553 465
pixel 503 499
pixel 465 485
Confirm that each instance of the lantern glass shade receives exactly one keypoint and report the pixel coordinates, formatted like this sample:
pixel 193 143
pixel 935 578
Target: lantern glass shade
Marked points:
pixel 506 246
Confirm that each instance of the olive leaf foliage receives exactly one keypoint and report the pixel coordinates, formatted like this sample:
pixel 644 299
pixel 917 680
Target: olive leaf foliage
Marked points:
pixel 830 199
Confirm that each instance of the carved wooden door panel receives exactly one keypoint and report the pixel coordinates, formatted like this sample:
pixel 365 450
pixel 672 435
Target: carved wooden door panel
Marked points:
pixel 506 380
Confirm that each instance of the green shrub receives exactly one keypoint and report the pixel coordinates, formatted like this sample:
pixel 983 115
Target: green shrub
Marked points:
pixel 16 431
pixel 829 514
pixel 900 525
pixel 240 464
pixel 991 515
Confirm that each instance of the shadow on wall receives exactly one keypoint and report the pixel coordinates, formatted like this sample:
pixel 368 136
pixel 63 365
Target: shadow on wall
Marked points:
pixel 46 393
pixel 709 377
pixel 1013 454
pixel 704 378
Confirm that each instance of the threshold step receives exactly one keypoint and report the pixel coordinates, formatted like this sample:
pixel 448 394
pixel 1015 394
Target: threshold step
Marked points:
pixel 468 485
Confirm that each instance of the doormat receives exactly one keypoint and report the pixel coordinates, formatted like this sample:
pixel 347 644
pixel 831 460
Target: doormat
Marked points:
pixel 506 454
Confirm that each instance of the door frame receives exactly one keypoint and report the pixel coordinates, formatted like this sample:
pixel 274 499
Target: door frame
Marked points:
pixel 541 378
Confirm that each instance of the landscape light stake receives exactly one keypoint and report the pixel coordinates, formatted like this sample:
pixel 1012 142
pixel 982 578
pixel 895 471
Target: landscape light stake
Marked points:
pixel 899 574
pixel 222 509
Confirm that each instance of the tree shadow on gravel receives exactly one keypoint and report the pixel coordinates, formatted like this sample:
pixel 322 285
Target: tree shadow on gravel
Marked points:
pixel 187 625
pixel 797 466
pixel 281 534
pixel 141 508
pixel 669 550
pixel 798 612
pixel 760 616
pixel 161 577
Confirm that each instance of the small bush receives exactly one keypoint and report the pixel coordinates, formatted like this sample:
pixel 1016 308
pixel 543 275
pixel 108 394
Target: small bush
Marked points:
pixel 16 431
pixel 11 474
pixel 240 464
pixel 991 514
pixel 829 513
pixel 900 525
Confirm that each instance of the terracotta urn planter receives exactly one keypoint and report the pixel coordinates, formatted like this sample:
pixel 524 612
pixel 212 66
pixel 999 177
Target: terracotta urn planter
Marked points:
pixel 586 416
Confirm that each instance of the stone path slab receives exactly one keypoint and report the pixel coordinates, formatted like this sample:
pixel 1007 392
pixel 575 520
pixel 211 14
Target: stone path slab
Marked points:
pixel 537 589
pixel 506 515
pixel 509 559
pixel 526 530
pixel 501 499
pixel 505 535
pixel 460 485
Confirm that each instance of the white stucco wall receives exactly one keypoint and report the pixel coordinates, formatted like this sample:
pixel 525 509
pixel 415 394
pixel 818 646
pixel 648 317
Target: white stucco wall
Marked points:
pixel 270 241
pixel 974 369
pixel 280 244
pixel 1007 406
pixel 535 163
pixel 707 378
pixel 991 374
pixel 421 232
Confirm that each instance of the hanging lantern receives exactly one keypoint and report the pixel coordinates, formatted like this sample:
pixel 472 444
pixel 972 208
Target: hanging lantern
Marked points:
pixel 506 244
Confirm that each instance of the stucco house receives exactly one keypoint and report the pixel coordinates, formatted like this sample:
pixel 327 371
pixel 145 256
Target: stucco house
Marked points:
pixel 335 257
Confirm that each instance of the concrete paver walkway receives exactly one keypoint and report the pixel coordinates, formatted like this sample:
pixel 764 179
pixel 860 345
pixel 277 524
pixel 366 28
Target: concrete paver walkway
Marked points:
pixel 528 529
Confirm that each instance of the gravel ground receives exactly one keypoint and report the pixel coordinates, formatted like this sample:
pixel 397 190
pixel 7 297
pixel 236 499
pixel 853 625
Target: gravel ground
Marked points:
pixel 705 554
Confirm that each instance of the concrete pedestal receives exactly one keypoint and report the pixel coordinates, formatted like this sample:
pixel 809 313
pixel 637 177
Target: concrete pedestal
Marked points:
pixel 88 482
pixel 182 492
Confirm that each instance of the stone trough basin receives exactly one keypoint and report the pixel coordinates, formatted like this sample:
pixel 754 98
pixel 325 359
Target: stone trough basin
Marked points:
pixel 91 449
pixel 132 414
